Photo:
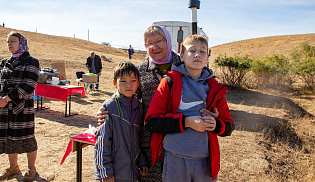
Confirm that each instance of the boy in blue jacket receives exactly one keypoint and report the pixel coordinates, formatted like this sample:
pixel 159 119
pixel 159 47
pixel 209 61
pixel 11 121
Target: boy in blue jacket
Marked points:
pixel 117 150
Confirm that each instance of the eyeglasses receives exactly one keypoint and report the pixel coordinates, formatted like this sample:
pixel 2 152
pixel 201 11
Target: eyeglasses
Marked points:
pixel 158 43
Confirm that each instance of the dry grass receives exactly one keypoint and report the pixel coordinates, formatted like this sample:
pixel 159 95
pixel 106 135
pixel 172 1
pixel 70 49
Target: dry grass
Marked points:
pixel 285 152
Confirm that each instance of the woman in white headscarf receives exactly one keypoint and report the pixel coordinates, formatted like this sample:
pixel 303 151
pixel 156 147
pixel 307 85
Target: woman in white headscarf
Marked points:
pixel 18 78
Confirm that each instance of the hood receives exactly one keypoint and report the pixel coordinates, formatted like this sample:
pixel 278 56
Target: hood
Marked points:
pixel 206 73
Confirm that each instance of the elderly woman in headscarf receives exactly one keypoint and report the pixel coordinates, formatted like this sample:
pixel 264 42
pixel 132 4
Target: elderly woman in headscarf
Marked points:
pixel 158 45
pixel 18 79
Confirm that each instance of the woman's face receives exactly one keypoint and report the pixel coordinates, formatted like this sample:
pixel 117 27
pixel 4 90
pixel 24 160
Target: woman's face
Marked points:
pixel 13 43
pixel 157 47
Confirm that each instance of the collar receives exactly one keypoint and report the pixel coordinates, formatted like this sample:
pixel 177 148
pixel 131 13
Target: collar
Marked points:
pixel 127 102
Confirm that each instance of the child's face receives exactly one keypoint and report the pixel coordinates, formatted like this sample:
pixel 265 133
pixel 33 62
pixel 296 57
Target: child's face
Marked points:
pixel 127 84
pixel 195 56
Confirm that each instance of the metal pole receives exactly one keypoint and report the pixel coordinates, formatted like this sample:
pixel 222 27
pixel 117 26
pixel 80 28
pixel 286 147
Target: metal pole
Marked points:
pixel 194 20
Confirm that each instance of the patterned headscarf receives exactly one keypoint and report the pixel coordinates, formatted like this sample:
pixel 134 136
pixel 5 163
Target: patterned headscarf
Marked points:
pixel 22 47
pixel 168 58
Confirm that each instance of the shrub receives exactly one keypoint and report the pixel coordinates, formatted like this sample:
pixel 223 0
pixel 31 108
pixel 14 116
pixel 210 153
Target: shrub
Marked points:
pixel 272 71
pixel 303 64
pixel 233 69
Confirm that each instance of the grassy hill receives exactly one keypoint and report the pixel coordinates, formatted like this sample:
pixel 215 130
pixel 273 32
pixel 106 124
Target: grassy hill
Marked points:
pixel 259 47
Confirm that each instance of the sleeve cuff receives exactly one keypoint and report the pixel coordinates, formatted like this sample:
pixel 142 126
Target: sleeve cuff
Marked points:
pixel 218 127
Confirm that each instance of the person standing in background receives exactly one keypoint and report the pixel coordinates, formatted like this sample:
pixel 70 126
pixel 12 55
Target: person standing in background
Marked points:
pixel 94 65
pixel 130 52
pixel 18 77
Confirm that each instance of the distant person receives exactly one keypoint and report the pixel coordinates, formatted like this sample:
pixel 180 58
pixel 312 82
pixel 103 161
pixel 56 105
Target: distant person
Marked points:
pixel 190 149
pixel 94 65
pixel 18 78
pixel 117 150
pixel 3 24
pixel 130 52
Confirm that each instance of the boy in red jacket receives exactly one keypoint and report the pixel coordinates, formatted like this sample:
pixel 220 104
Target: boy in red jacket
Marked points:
pixel 189 139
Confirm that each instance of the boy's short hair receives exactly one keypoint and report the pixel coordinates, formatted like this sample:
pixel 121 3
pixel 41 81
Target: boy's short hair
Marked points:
pixel 191 39
pixel 123 68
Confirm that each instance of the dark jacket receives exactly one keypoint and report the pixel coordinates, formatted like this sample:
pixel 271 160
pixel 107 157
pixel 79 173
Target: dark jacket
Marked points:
pixel 162 117
pixel 97 63
pixel 117 149
pixel 18 80
pixel 149 74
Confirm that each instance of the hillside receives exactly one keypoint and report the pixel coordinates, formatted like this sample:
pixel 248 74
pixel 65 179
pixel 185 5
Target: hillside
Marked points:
pixel 260 47
pixel 245 156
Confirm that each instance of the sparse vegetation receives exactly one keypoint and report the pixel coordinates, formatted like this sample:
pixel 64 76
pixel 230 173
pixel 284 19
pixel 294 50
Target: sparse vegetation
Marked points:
pixel 276 71
pixel 234 69
pixel 303 64
pixel 289 144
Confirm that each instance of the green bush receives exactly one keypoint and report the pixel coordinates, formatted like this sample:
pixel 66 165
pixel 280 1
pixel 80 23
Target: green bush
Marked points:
pixel 234 69
pixel 303 64
pixel 272 71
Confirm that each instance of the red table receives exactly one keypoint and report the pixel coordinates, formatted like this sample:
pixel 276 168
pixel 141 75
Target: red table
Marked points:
pixel 76 144
pixel 60 92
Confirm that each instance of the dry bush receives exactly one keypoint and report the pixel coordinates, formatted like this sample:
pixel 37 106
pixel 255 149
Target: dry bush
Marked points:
pixel 268 81
pixel 289 148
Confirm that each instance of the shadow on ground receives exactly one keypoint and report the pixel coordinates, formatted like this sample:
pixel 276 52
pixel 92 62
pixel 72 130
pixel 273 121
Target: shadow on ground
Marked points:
pixel 252 122
pixel 79 120
pixel 253 98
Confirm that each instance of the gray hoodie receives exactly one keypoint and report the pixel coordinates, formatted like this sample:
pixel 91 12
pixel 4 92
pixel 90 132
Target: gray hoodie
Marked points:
pixel 190 143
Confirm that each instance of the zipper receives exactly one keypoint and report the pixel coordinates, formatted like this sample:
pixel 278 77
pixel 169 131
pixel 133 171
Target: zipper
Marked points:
pixel 215 95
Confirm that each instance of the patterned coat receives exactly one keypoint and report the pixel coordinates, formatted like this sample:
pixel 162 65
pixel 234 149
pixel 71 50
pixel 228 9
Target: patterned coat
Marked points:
pixel 18 80
pixel 150 77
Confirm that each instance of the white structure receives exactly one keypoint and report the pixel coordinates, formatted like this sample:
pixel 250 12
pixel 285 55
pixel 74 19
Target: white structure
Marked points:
pixel 179 30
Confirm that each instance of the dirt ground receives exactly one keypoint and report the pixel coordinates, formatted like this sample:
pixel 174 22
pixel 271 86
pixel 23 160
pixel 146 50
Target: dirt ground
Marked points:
pixel 241 154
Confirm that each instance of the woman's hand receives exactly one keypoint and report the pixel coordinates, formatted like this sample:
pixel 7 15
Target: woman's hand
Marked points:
pixel 4 101
pixel 205 112
pixel 109 180
pixel 101 115
pixel 210 122
pixel 144 170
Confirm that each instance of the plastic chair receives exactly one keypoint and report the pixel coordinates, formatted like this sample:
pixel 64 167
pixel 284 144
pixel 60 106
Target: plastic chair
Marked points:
pixel 79 77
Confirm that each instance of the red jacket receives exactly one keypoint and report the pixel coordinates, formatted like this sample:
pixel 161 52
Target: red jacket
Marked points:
pixel 162 117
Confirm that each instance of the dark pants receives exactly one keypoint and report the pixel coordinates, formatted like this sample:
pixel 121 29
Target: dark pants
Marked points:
pixel 98 80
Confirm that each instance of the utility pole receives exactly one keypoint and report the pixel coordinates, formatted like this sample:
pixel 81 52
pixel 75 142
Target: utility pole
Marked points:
pixel 194 5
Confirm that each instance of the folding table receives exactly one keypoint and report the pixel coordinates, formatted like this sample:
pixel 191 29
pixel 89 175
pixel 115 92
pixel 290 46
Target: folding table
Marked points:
pixel 60 92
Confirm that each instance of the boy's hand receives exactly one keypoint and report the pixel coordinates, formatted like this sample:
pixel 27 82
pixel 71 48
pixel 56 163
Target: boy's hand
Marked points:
pixel 101 115
pixel 205 112
pixel 210 122
pixel 109 180
pixel 195 123
pixel 144 170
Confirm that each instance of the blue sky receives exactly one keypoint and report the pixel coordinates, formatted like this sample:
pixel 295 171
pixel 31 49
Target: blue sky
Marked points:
pixel 122 22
